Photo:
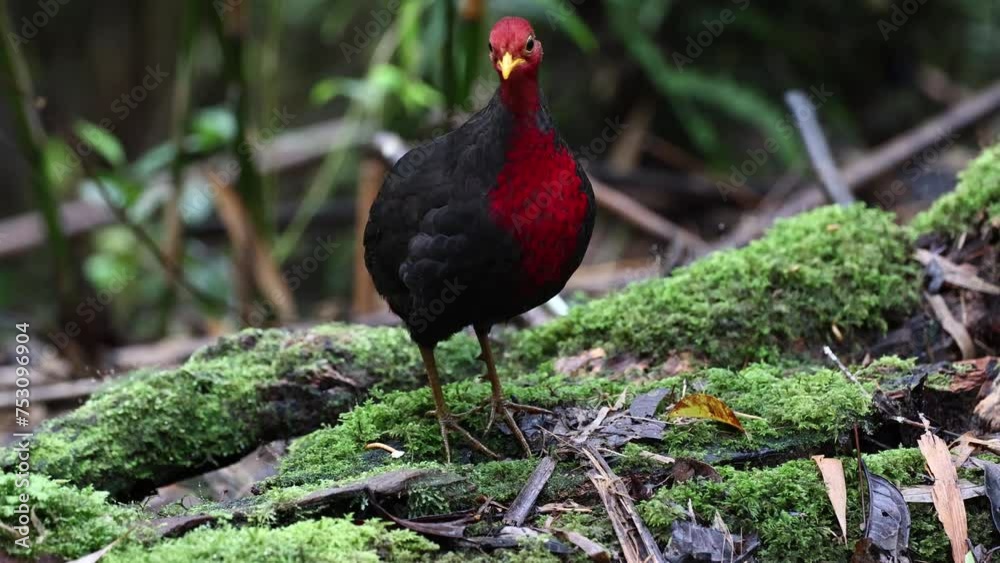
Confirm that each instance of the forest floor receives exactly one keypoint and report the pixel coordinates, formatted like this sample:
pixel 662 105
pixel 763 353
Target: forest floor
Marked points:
pixel 705 416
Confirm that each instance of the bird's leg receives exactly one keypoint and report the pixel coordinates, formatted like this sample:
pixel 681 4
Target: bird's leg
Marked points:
pixel 497 403
pixel 445 419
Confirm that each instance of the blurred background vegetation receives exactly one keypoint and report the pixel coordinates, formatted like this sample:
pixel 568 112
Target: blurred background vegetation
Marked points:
pixel 209 156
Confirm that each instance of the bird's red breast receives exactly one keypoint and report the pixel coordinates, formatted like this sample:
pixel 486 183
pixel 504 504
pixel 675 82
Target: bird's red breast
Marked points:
pixel 539 201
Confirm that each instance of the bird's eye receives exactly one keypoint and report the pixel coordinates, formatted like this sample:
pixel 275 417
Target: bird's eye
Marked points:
pixel 489 46
pixel 530 45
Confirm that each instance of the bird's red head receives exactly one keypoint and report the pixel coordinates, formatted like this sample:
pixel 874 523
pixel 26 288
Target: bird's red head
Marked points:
pixel 514 50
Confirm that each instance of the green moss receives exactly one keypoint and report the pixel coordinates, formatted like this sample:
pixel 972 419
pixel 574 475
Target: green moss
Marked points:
pixel 153 427
pixel 801 409
pixel 976 197
pixel 847 267
pixel 403 417
pixel 323 540
pixel 787 505
pixel 73 521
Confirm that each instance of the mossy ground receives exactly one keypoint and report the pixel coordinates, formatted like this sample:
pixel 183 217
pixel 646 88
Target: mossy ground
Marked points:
pixel 798 409
pixel 780 295
pixel 788 506
pixel 73 521
pixel 976 197
pixel 333 540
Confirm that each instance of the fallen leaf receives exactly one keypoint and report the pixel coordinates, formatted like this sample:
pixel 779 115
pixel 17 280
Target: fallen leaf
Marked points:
pixel 645 405
pixel 690 541
pixel 980 370
pixel 701 405
pixel 956 275
pixel 888 523
pixel 592 359
pixel 945 494
pixel 832 470
pixel 687 468
pixel 452 529
pixel 992 471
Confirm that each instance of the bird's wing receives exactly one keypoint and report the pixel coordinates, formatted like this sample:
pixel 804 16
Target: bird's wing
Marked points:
pixel 430 223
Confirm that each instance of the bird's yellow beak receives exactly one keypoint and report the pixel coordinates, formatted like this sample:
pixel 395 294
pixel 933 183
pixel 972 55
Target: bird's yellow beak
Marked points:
pixel 507 64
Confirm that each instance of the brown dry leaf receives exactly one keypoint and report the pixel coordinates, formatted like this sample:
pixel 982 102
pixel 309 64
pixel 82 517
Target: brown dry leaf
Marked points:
pixel 832 470
pixel 977 376
pixel 962 448
pixel 592 360
pixel 963 276
pixel 946 494
pixel 700 405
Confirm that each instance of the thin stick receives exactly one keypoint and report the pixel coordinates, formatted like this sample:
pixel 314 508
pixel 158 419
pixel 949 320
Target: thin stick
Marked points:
pixel 880 160
pixel 526 499
pixel 819 150
pixel 829 354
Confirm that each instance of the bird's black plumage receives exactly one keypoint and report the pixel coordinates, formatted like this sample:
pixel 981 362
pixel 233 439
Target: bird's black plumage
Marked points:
pixel 433 248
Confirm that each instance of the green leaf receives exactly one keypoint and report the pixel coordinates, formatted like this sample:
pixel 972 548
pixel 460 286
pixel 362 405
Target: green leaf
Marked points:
pixel 102 141
pixel 61 165
pixel 324 91
pixel 213 129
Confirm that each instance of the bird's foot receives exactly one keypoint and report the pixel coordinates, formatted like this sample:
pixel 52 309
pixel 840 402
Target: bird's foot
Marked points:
pixel 503 408
pixel 448 424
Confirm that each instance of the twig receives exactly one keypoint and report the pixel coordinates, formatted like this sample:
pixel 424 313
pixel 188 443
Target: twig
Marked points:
pixel 638 544
pixel 819 150
pixel 526 499
pixel 636 214
pixel 952 326
pixel 145 239
pixel 829 354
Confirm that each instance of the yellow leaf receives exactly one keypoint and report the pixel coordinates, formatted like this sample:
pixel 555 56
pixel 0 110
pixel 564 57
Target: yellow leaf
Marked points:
pixel 700 405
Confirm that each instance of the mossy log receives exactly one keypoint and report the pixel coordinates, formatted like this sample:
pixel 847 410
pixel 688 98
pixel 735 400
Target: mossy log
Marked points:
pixel 155 427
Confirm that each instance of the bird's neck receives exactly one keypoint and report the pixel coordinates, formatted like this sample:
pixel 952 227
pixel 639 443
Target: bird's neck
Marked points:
pixel 520 95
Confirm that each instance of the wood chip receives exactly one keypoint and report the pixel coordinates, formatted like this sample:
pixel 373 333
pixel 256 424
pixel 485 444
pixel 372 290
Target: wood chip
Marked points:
pixel 945 493
pixel 832 470
pixel 525 501
pixel 923 494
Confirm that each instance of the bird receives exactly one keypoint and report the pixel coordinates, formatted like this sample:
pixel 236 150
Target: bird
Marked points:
pixel 482 224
